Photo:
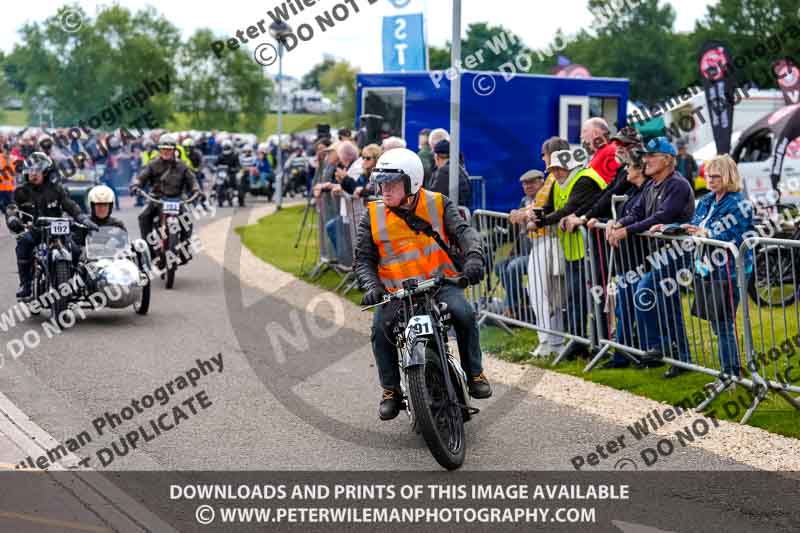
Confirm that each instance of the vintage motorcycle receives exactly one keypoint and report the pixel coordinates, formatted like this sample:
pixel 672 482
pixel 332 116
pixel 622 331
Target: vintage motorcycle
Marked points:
pixel 172 251
pixel 224 189
pixel 434 386
pixel 108 263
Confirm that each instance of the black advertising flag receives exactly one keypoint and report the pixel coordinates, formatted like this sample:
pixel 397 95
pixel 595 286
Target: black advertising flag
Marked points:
pixel 788 77
pixel 720 84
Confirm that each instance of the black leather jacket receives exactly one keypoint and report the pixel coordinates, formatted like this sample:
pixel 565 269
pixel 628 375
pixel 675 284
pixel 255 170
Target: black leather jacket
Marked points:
pixel 47 200
pixel 459 234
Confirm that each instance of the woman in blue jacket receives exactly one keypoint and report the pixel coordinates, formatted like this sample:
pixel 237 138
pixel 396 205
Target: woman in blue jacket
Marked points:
pixel 722 216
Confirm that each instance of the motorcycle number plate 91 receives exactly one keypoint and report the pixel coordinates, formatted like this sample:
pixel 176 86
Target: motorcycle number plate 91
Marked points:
pixel 172 208
pixel 59 228
pixel 419 325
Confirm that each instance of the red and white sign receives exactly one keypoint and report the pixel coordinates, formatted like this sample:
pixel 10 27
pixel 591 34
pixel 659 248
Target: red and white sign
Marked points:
pixel 713 64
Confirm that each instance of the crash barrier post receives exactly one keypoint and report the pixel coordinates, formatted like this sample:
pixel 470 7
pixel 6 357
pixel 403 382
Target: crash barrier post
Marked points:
pixel 771 334
pixel 477 187
pixel 329 233
pixel 676 299
pixel 534 280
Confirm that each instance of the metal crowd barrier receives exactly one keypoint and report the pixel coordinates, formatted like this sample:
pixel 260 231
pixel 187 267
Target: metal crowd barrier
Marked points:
pixel 531 283
pixel 335 246
pixel 687 299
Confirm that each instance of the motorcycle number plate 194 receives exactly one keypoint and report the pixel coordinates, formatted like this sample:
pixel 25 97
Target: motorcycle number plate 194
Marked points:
pixel 172 208
pixel 59 227
pixel 419 325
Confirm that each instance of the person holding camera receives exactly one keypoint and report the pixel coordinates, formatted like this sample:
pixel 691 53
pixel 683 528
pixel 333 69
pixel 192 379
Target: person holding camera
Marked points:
pixel 576 185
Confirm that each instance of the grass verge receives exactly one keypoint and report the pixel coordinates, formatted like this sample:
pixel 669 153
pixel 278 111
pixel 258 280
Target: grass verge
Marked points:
pixel 273 237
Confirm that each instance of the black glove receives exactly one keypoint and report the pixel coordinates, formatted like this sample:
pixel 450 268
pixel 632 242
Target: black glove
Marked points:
pixel 134 189
pixel 473 269
pixel 374 295
pixel 86 221
pixel 15 225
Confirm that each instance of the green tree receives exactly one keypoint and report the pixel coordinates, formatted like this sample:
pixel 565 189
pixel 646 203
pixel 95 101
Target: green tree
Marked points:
pixel 311 79
pixel 337 80
pixel 228 92
pixel 636 43
pixel 498 46
pixel 84 71
pixel 767 28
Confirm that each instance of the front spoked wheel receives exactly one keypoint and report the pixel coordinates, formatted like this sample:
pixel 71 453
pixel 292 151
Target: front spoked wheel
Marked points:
pixel 440 420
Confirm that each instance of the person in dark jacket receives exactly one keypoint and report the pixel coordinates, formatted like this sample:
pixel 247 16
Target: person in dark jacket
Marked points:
pixel 667 198
pixel 38 197
pixel 167 177
pixel 440 181
pixel 388 251
pixel 626 259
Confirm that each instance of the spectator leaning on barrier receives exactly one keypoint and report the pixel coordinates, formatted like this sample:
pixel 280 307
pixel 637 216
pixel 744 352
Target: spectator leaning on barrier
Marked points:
pixel 627 259
pixel 347 153
pixel 440 182
pixel 328 177
pixel 364 184
pixel 512 270
pixel 720 216
pixel 575 186
pixel 595 140
pixel 625 141
pixel 544 265
pixel 667 198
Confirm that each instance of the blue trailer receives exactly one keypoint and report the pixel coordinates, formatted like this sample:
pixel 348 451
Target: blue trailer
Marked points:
pixel 501 132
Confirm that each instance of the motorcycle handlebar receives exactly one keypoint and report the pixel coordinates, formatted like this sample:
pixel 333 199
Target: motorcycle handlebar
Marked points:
pixel 152 198
pixel 441 281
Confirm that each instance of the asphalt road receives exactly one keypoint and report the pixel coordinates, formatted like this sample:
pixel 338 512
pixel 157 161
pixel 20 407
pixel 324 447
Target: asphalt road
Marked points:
pixel 324 418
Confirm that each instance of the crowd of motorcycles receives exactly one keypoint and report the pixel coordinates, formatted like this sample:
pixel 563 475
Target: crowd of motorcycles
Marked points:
pixel 115 272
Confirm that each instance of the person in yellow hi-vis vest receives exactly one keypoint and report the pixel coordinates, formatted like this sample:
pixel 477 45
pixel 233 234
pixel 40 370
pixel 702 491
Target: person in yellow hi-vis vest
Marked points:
pixel 576 185
pixel 388 251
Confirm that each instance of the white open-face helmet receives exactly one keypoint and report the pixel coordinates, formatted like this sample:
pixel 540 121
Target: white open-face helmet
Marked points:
pixel 101 194
pixel 400 164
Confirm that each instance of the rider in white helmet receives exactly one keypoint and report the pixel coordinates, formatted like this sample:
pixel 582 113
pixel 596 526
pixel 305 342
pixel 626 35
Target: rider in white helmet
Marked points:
pixel 405 235
pixel 101 204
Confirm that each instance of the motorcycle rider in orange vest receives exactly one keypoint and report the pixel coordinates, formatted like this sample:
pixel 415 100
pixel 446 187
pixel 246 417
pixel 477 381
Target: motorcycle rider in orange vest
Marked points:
pixel 388 251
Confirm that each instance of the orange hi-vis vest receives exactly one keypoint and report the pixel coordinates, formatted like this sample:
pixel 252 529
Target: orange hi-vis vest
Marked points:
pixel 6 175
pixel 404 254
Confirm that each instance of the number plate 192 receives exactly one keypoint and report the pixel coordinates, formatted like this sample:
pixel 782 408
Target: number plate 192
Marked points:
pixel 59 228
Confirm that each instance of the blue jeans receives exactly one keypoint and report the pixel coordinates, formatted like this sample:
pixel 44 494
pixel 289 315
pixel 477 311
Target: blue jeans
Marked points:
pixel 727 346
pixel 659 315
pixel 577 298
pixel 467 336
pixel 331 229
pixel 625 315
pixel 510 271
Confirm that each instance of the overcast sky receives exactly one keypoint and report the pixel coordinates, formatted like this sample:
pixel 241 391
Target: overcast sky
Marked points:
pixel 358 38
